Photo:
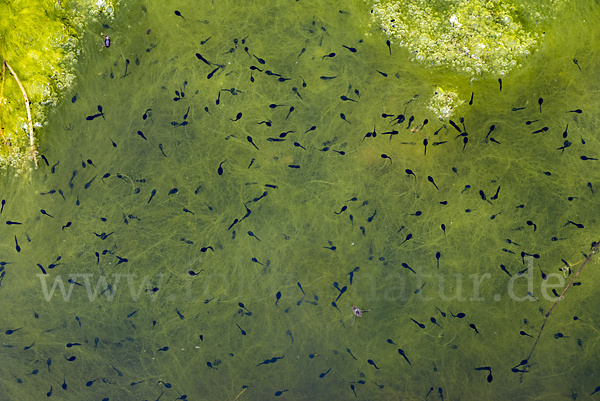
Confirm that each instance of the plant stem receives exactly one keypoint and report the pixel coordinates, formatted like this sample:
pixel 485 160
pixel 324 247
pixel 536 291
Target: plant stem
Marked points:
pixel 33 151
pixel 1 97
pixel 587 259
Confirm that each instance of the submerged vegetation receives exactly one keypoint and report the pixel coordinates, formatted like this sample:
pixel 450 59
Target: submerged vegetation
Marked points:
pixel 469 37
pixel 39 47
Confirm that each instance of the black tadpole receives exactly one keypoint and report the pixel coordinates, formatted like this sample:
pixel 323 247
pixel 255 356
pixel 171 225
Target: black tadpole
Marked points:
pixel 209 76
pixel 406 266
pixel 408 237
pixel 456 127
pixel 531 223
pixel 400 119
pixel 342 210
pixel 152 195
pixel 401 352
pixel 290 112
pixel 430 179
pixel 220 169
pixel 489 377
pixel 249 138
pixel 126 65
pixel 205 61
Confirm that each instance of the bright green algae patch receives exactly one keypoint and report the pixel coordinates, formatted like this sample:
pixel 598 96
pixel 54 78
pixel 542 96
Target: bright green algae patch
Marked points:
pixel 477 36
pixel 39 39
pixel 475 39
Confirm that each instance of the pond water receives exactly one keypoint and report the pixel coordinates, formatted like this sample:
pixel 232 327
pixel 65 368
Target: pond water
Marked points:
pixel 213 256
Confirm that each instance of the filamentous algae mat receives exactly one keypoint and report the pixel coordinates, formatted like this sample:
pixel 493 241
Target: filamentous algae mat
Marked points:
pixel 225 182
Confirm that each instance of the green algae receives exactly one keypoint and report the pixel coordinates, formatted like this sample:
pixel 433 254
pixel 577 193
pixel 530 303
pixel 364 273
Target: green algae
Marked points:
pixel 296 220
pixel 475 37
pixel 40 41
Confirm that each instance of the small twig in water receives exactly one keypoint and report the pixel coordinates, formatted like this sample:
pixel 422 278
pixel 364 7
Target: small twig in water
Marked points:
pixel 587 259
pixel 1 94
pixel 33 151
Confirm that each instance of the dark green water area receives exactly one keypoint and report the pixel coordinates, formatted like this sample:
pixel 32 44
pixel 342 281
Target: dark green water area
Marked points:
pixel 189 250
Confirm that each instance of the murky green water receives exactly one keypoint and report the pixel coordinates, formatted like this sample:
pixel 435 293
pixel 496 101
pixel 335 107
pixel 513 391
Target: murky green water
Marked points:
pixel 153 302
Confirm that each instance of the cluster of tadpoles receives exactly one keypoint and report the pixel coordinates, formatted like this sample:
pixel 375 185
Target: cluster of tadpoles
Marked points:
pixel 30 124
